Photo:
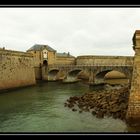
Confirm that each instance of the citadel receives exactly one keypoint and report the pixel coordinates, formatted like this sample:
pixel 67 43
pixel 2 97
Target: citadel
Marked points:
pixel 41 62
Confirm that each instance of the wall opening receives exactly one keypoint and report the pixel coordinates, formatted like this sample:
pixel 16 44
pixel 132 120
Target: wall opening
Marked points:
pixel 45 63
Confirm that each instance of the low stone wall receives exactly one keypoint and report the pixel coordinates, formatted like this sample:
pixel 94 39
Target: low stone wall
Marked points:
pixel 16 69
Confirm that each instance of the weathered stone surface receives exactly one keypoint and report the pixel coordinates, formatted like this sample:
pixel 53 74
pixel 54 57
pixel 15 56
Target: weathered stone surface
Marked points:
pixel 16 69
pixel 133 113
pixel 96 72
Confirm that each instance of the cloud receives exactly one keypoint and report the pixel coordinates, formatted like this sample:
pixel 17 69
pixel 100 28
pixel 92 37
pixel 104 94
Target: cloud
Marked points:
pixel 80 31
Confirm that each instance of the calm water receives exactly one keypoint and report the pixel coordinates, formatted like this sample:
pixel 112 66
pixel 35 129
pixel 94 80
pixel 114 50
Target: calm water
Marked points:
pixel 41 109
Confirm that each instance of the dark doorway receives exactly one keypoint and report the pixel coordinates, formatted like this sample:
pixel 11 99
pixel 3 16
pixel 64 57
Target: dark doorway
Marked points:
pixel 45 63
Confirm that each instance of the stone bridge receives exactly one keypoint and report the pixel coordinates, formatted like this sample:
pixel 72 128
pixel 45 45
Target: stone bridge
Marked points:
pixel 97 73
pixel 69 73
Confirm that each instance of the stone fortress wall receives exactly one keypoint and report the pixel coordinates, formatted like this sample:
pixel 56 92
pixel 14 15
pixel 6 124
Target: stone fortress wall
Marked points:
pixel 16 69
pixel 19 69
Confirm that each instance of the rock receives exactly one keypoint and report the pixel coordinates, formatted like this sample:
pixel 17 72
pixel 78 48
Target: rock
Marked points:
pixel 94 112
pixel 108 113
pixel 100 114
pixel 74 109
pixel 70 105
pixel 92 106
pixel 116 115
pixel 65 104
pixel 86 110
pixel 109 102
pixel 115 109
pixel 123 105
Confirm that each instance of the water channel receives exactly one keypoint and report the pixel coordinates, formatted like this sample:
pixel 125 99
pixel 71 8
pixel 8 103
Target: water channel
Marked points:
pixel 41 108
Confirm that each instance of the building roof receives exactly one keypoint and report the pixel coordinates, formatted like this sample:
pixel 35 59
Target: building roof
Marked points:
pixel 64 55
pixel 39 47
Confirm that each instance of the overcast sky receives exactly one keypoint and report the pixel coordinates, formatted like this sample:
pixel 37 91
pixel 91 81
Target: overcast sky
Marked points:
pixel 80 31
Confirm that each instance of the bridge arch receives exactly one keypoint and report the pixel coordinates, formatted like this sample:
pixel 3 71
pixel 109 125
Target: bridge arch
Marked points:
pixel 52 75
pixel 74 72
pixel 71 76
pixel 83 75
pixel 100 76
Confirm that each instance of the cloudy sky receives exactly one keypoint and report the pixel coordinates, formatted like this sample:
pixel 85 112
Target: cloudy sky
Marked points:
pixel 80 31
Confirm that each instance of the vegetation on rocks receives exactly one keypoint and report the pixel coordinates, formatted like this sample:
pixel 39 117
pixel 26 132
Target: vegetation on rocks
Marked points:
pixel 111 102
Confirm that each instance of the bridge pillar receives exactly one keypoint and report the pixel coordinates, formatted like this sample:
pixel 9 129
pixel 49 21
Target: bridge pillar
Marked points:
pixel 133 112
pixel 44 73
pixel 91 78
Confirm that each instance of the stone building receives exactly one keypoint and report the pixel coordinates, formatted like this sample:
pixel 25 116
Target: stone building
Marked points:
pixel 44 55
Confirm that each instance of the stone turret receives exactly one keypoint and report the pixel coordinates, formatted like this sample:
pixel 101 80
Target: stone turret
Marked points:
pixel 136 42
pixel 133 112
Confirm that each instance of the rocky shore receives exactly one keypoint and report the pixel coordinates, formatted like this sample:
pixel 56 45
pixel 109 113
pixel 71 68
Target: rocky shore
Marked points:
pixel 110 102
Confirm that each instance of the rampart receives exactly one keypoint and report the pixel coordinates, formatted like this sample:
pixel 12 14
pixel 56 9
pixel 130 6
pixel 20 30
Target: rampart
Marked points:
pixel 16 69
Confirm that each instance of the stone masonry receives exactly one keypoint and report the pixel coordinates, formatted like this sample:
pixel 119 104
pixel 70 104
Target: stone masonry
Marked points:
pixel 16 69
pixel 133 112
